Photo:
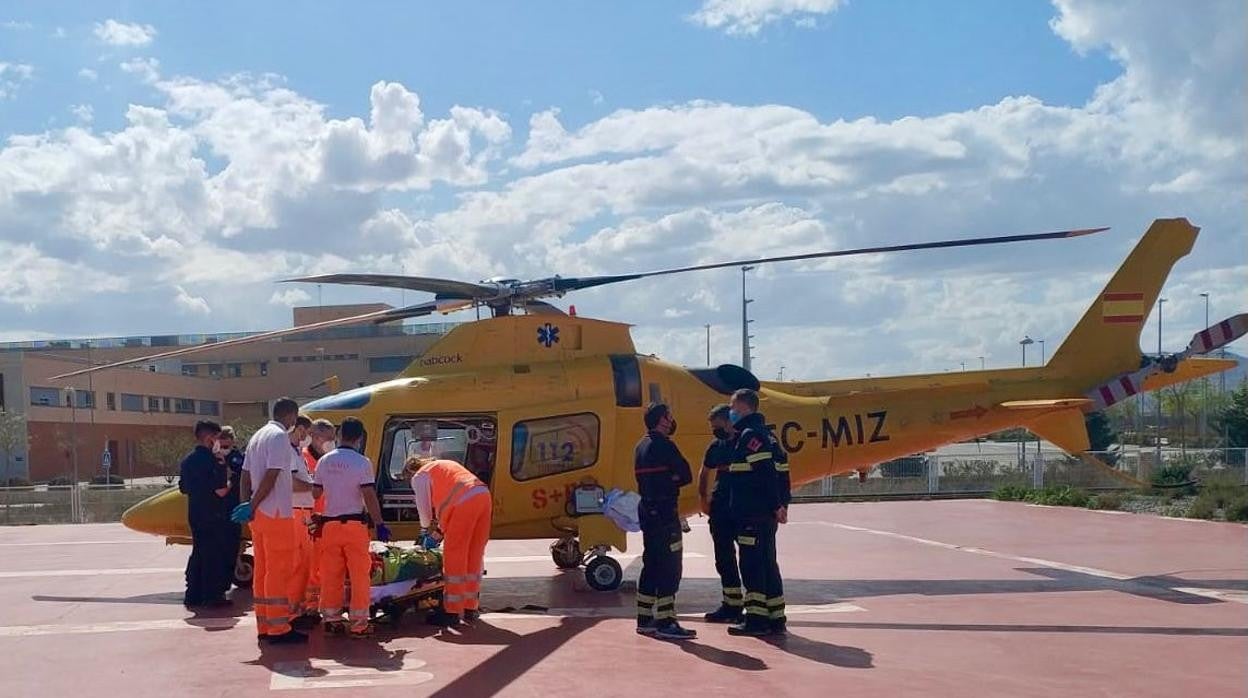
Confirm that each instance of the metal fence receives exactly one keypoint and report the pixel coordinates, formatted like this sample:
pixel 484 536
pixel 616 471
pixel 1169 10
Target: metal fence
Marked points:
pixel 971 474
pixel 64 504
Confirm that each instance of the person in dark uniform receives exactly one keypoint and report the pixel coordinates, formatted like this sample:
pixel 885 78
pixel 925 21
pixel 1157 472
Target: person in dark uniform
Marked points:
pixel 205 483
pixel 758 502
pixel 229 456
pixel 715 505
pixel 661 471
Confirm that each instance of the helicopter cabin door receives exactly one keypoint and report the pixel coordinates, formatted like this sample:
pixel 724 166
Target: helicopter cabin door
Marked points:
pixel 468 439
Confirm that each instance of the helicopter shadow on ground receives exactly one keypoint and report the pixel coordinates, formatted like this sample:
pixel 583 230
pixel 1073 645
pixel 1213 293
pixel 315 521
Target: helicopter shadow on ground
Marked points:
pixel 207 619
pixel 362 653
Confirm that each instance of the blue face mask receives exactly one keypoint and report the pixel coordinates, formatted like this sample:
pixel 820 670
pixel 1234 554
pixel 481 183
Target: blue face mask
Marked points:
pixel 734 416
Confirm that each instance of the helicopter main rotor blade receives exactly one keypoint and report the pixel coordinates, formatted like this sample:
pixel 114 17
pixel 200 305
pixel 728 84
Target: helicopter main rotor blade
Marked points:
pixel 573 284
pixel 378 316
pixel 447 288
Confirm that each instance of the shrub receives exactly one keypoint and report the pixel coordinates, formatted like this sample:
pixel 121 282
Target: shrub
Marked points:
pixel 1061 495
pixel 1011 493
pixel 17 482
pixel 1110 501
pixel 1237 510
pixel 112 480
pixel 1174 479
pixel 62 482
pixel 1204 507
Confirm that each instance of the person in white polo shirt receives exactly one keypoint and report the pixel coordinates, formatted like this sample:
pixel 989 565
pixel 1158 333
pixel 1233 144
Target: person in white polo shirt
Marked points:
pixel 345 478
pixel 268 465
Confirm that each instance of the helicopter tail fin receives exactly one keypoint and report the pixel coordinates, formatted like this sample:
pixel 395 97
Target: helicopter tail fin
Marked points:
pixel 1106 341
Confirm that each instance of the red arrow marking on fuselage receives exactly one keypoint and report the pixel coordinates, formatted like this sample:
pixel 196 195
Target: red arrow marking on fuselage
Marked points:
pixel 975 412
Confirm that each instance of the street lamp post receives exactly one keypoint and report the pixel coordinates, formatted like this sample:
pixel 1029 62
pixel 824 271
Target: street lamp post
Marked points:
pixel 1160 302
pixel 1204 389
pixel 1041 343
pixel 1023 343
pixel 745 321
pixel 73 449
pixel 981 363
pixel 708 346
pixel 1022 444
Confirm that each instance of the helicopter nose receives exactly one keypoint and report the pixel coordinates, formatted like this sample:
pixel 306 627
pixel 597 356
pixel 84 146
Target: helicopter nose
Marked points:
pixel 163 514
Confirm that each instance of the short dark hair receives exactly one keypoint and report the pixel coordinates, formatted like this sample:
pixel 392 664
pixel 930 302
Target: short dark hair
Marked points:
pixel 351 429
pixel 655 412
pixel 284 407
pixel 749 397
pixel 719 411
pixel 302 421
pixel 206 426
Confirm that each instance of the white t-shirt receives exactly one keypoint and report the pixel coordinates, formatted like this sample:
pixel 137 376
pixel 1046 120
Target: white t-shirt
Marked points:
pixel 299 471
pixel 341 473
pixel 269 449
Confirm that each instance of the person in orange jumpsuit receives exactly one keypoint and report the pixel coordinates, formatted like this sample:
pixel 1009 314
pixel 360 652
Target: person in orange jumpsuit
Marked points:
pixel 322 435
pixel 301 515
pixel 345 478
pixel 455 504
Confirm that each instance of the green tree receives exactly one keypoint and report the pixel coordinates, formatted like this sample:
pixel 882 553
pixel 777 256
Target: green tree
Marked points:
pixel 1232 419
pixel 1181 401
pixel 13 436
pixel 164 453
pixel 1101 435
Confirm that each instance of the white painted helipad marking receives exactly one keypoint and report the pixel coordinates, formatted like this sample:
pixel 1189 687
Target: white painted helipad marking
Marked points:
pixel 90 573
pixel 1217 594
pixel 122 571
pixel 327 673
pixel 631 612
pixel 80 542
pixel 126 626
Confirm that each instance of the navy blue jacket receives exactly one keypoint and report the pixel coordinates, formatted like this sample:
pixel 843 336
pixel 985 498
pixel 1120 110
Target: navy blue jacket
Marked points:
pixel 201 476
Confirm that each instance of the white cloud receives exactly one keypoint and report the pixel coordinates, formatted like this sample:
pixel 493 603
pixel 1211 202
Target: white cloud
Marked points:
pixel 191 304
pixel 596 97
pixel 13 76
pixel 290 297
pixel 88 74
pixel 83 112
pixel 16 25
pixel 148 69
pixel 59 33
pixel 30 278
pixel 121 34
pixel 747 17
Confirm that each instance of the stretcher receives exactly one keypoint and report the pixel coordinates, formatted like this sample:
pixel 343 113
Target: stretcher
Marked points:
pixel 388 601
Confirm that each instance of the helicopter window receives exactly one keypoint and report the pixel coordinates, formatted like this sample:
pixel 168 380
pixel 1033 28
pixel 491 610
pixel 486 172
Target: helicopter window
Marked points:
pixel 553 445
pixel 470 441
pixel 627 374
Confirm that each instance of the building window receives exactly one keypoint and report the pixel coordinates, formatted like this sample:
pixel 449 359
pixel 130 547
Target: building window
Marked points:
pixel 264 368
pixel 110 399
pixel 553 445
pixel 296 359
pixel 131 403
pixel 183 405
pixel 45 397
pixel 85 399
pixel 190 369
pixel 282 359
pixel 353 357
pixel 153 404
pixel 236 370
pixel 388 364
pixel 210 408
pixel 214 370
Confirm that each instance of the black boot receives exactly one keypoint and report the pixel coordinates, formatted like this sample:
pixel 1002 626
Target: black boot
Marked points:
pixel 725 614
pixel 751 627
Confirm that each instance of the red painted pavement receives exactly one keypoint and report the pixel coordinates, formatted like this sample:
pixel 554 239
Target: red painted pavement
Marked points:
pixel 897 598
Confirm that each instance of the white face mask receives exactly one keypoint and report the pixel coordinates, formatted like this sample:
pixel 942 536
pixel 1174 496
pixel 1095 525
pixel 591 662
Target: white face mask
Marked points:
pixel 307 441
pixel 217 449
pixel 329 446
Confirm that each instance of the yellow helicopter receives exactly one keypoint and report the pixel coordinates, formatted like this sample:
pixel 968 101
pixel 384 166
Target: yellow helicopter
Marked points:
pixel 546 407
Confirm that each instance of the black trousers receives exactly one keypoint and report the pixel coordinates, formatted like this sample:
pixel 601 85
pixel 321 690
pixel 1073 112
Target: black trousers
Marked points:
pixel 760 571
pixel 233 539
pixel 205 569
pixel 661 557
pixel 724 537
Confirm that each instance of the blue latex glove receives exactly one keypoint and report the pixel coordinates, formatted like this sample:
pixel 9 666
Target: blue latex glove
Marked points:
pixel 428 542
pixel 242 513
pixel 383 533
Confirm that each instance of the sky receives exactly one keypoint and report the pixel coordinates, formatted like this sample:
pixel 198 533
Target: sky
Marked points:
pixel 164 165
